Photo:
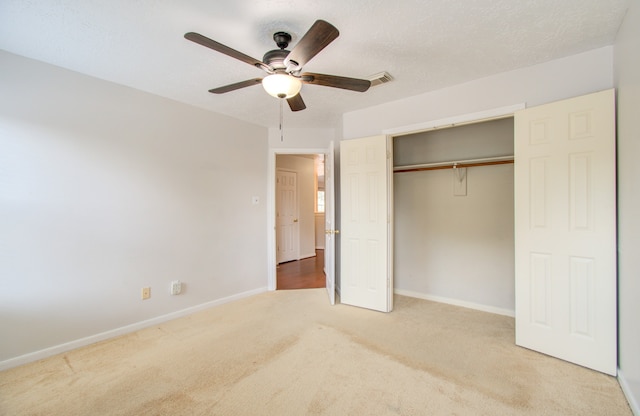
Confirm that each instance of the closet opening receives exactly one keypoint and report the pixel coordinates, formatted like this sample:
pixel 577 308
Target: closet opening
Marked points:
pixel 454 215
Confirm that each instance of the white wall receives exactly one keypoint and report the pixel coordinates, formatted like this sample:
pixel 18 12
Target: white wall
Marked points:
pixel 105 189
pixel 300 138
pixel 320 226
pixel 627 64
pixel 305 169
pixel 456 249
pixel 551 81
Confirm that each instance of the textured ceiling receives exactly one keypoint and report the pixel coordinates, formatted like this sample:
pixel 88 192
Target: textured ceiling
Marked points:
pixel 424 44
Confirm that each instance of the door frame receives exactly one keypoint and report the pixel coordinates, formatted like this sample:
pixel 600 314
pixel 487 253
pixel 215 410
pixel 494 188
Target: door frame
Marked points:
pixel 458 120
pixel 271 207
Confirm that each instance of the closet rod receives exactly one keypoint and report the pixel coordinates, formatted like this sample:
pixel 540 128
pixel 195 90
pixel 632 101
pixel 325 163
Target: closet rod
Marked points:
pixel 451 165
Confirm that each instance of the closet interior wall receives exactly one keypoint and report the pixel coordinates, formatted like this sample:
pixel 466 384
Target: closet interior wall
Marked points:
pixel 452 246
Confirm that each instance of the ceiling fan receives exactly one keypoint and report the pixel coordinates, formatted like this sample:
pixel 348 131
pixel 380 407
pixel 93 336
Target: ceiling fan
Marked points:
pixel 284 67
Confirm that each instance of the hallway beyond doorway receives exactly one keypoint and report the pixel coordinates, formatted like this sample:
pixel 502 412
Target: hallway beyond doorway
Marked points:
pixel 302 274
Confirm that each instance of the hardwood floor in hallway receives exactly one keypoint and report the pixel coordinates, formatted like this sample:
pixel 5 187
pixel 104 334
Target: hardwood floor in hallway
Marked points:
pixel 302 274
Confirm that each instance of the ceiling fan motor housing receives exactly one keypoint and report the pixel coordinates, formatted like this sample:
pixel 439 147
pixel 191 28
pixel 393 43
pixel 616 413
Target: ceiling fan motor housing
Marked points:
pixel 275 58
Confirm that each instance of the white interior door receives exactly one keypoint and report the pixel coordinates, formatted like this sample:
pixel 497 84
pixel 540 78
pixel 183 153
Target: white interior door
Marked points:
pixel 330 227
pixel 287 234
pixel 366 202
pixel 565 230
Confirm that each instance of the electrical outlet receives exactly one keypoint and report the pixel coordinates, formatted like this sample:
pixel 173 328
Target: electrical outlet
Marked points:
pixel 146 293
pixel 176 287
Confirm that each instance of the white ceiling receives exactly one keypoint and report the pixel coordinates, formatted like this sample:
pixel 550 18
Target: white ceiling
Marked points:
pixel 424 44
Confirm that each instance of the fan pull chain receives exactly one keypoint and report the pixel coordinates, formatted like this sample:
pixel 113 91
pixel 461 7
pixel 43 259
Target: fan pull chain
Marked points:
pixel 281 118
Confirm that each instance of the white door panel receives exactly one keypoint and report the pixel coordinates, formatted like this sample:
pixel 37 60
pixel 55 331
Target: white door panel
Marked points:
pixel 330 227
pixel 566 230
pixel 287 234
pixel 366 262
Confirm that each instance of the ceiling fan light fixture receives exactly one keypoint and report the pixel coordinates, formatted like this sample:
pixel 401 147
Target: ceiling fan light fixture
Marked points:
pixel 281 85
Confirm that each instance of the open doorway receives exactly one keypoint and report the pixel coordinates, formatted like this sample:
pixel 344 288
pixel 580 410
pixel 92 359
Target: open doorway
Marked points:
pixel 299 221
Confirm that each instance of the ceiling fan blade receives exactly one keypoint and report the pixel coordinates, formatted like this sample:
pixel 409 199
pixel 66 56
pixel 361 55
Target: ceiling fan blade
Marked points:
pixel 296 103
pixel 236 86
pixel 219 47
pixel 317 37
pixel 353 84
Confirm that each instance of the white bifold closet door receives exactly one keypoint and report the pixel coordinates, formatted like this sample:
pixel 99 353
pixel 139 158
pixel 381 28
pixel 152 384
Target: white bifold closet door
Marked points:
pixel 565 230
pixel 366 184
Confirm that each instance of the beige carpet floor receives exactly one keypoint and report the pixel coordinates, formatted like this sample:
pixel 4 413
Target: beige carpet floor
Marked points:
pixel 290 353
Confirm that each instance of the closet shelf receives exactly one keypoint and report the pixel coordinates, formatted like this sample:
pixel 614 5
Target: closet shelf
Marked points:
pixel 468 163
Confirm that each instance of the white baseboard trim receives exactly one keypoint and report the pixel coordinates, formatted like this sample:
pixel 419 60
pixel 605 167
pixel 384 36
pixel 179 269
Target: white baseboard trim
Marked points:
pixel 456 302
pixel 634 404
pixel 92 339
pixel 306 256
